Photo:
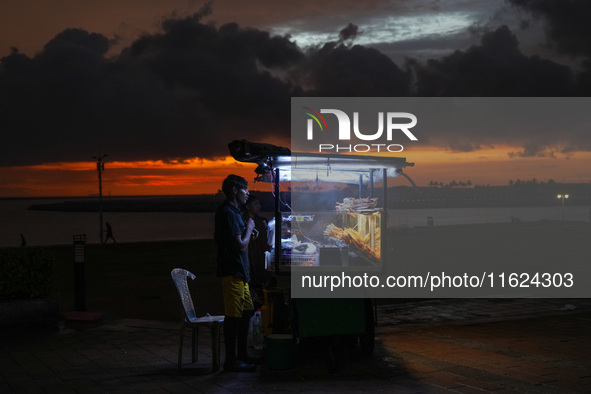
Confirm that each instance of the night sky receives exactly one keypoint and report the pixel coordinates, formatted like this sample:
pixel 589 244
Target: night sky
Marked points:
pixel 162 87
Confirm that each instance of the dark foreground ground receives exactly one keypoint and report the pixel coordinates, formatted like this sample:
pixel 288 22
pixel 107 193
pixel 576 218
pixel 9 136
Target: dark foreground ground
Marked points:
pixel 443 346
pixel 431 346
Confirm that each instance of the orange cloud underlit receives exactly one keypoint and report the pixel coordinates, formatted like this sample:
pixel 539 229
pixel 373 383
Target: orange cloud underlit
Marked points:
pixel 195 176
pixel 154 180
pixel 492 166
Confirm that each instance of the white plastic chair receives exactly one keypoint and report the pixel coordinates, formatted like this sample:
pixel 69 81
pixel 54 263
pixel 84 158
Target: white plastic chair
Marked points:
pixel 214 323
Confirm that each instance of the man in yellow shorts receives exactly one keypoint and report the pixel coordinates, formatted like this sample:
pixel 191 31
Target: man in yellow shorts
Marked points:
pixel 232 236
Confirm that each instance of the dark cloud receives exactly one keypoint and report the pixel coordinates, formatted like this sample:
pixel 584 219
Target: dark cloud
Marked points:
pixel 336 70
pixel 184 92
pixel 52 95
pixel 567 22
pixel 495 68
pixel 567 30
pixel 192 87
pixel 350 32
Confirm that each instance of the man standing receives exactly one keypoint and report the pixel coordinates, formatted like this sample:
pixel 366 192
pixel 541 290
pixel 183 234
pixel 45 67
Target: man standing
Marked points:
pixel 232 236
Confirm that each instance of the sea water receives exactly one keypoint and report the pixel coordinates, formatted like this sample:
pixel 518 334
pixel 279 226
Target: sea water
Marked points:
pixel 58 228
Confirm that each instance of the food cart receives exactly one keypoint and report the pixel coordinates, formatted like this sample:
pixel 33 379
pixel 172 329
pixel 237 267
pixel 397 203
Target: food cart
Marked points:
pixel 330 230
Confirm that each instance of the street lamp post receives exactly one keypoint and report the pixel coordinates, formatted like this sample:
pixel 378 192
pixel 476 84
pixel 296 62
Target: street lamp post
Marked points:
pixel 562 197
pixel 100 167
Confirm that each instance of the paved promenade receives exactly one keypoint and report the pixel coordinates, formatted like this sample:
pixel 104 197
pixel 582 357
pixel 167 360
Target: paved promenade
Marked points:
pixel 442 346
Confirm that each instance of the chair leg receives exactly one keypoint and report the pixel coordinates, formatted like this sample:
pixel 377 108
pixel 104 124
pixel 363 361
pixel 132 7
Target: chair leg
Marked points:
pixel 195 344
pixel 215 333
pixel 215 330
pixel 180 362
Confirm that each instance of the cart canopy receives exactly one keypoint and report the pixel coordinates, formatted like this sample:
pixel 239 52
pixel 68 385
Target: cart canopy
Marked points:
pixel 306 167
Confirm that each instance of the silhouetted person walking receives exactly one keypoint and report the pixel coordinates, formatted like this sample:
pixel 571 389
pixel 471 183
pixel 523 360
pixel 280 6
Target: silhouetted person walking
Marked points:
pixel 109 232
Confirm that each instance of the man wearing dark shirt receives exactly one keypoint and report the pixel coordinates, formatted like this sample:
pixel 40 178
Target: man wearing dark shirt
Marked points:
pixel 232 236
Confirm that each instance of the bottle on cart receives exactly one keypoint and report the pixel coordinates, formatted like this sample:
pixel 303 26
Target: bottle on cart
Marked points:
pixel 257 330
pixel 250 336
pixel 271 233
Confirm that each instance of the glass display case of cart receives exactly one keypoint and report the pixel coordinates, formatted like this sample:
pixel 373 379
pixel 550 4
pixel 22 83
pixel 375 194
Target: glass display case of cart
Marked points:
pixel 349 235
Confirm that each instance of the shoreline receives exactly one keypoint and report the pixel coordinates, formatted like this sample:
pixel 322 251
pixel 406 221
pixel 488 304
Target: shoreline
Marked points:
pixel 398 229
pixel 400 197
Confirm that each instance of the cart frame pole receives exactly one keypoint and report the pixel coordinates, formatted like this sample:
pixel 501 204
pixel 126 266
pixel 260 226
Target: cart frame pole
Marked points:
pixel 278 224
pixel 384 224
pixel 371 183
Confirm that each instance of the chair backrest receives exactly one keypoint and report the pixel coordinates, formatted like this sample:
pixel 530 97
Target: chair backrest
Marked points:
pixel 179 277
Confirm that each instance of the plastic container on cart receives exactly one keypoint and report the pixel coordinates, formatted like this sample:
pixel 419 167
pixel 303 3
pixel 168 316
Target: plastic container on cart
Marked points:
pixel 257 330
pixel 279 351
pixel 290 258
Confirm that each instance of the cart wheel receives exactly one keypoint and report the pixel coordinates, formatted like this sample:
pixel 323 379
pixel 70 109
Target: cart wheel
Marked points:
pixel 367 341
pixel 338 353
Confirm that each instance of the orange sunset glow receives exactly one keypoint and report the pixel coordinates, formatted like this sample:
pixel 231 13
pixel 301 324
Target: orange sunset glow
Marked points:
pixel 490 166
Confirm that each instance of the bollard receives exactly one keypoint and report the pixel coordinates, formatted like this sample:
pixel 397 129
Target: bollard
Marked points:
pixel 81 314
pixel 79 283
